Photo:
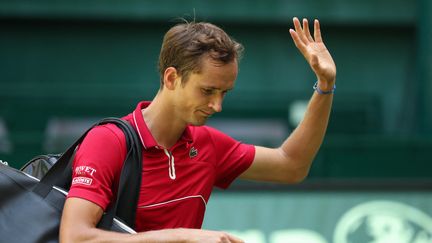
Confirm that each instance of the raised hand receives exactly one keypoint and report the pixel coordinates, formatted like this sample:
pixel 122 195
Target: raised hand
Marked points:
pixel 315 52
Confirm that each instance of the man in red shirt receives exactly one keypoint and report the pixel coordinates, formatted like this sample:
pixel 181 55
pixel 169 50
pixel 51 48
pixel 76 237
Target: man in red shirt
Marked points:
pixel 182 159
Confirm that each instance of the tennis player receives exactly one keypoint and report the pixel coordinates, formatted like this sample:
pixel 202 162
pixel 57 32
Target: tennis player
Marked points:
pixel 182 158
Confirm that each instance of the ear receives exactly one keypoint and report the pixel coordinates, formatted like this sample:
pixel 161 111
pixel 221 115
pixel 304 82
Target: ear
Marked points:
pixel 170 78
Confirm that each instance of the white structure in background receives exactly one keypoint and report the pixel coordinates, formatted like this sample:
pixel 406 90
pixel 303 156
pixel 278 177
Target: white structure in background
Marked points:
pixel 296 111
pixel 385 222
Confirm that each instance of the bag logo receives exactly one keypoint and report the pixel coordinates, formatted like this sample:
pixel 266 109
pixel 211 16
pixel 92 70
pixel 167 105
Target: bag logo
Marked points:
pixel 193 152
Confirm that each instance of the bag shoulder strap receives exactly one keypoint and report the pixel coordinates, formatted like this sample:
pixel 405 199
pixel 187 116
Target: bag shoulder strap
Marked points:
pixel 130 179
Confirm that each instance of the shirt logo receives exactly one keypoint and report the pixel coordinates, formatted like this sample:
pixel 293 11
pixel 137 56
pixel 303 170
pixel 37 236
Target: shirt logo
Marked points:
pixel 84 170
pixel 82 180
pixel 193 152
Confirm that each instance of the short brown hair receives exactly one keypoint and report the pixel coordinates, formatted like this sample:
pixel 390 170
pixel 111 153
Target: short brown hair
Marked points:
pixel 185 44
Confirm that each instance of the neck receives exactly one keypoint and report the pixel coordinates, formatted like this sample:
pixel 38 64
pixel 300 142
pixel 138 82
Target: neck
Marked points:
pixel 160 120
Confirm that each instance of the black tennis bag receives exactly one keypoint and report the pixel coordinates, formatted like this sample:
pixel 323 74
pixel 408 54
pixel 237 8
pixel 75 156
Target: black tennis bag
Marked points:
pixel 40 165
pixel 30 209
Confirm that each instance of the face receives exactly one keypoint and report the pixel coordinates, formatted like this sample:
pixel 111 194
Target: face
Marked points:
pixel 203 93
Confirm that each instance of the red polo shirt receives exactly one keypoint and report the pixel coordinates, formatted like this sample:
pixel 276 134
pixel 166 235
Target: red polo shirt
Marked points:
pixel 176 182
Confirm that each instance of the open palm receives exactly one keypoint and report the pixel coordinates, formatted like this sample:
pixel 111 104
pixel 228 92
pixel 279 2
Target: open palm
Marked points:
pixel 314 50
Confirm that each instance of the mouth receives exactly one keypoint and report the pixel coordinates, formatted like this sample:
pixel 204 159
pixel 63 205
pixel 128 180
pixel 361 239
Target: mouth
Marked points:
pixel 208 114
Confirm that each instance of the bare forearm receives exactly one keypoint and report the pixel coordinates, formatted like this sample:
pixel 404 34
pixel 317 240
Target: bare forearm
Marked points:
pixel 179 235
pixel 290 162
pixel 98 235
pixel 303 144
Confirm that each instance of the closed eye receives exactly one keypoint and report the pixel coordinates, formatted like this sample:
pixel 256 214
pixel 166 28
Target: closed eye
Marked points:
pixel 212 91
pixel 207 91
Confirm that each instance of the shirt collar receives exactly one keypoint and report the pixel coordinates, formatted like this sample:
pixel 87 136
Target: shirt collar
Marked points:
pixel 144 133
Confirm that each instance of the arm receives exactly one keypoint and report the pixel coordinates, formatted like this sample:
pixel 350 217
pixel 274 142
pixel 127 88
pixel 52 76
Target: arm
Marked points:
pixel 290 162
pixel 80 217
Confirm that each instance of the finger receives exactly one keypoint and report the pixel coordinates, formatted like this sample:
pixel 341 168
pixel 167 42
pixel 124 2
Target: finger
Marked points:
pixel 297 41
pixel 234 239
pixel 225 240
pixel 306 30
pixel 317 31
pixel 299 30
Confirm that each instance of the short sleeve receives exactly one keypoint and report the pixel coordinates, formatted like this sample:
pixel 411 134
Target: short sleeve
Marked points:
pixel 97 165
pixel 232 157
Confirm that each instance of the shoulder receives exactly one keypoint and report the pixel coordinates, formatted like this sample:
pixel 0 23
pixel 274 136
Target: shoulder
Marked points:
pixel 107 139
pixel 103 147
pixel 107 133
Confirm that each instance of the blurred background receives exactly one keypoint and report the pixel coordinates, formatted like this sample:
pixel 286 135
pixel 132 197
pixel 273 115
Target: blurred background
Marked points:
pixel 65 64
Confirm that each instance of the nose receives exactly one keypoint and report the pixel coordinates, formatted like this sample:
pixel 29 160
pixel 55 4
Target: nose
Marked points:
pixel 216 104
